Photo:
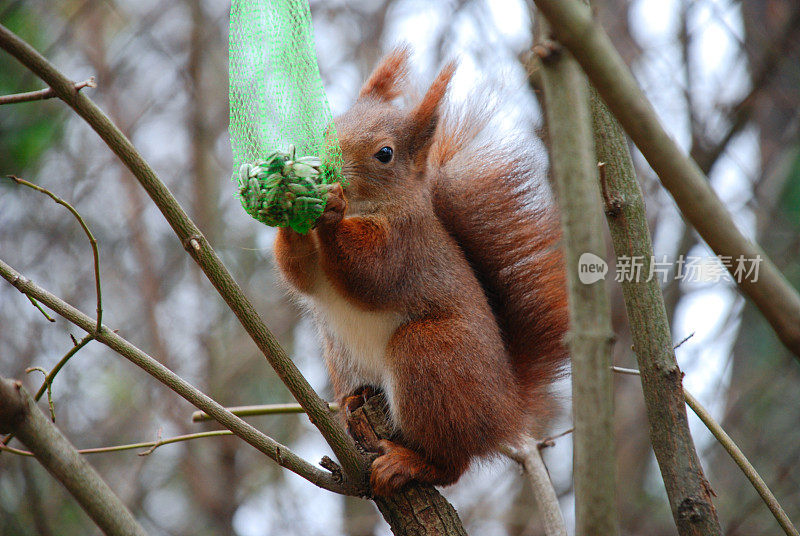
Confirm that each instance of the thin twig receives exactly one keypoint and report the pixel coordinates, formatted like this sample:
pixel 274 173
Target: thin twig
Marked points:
pixel 49 377
pixel 46 385
pixel 253 411
pixel 42 94
pixel 36 304
pixel 739 115
pixel 48 381
pixel 738 456
pixel 622 370
pixel 550 441
pixel 63 361
pixel 743 463
pixel 150 445
pixel 89 235
pixel 689 336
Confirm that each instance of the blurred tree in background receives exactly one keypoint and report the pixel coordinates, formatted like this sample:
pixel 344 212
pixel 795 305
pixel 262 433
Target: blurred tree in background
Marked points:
pixel 723 74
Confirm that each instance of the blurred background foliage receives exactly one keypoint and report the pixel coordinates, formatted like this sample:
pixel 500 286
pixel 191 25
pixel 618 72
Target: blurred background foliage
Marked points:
pixel 723 74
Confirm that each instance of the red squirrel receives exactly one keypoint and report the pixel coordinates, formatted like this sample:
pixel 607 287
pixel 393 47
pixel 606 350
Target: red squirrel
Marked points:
pixel 433 278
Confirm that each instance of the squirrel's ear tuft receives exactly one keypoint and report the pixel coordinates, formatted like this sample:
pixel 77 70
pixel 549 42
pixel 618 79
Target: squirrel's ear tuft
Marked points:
pixel 425 116
pixel 388 79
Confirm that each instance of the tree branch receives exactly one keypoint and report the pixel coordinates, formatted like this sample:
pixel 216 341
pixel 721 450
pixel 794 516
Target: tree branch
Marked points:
pixel 530 458
pixel 265 444
pixel 253 411
pixel 151 446
pixel 416 509
pixel 50 376
pixel 590 335
pixel 86 231
pixel 771 293
pixel 42 94
pixel 20 415
pixel 198 248
pixel 736 453
pixel 741 460
pixel 689 493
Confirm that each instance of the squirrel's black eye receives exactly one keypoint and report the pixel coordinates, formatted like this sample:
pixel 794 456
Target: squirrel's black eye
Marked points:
pixel 384 155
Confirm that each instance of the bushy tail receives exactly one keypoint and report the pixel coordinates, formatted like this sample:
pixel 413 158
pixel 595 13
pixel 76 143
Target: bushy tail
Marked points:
pixel 493 198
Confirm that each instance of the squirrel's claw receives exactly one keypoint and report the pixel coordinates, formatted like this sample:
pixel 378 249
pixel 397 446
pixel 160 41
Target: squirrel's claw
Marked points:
pixel 358 398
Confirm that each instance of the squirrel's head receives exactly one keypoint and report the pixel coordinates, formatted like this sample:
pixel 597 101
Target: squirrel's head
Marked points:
pixel 385 147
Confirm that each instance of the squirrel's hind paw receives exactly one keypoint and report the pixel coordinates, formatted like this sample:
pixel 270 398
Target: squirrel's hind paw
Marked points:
pixel 398 465
pixel 393 469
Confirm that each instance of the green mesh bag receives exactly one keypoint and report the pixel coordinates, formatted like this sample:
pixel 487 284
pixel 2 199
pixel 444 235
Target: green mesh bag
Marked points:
pixel 279 114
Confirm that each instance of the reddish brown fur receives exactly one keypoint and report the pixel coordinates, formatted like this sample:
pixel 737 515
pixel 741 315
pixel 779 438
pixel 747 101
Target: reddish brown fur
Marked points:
pixel 386 81
pixel 474 276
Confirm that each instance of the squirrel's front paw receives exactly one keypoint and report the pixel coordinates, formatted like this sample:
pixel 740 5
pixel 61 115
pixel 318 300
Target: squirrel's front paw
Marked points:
pixel 335 206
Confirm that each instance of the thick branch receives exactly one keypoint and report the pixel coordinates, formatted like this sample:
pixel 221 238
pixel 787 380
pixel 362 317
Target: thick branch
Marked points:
pixel 281 454
pixel 590 337
pixel 772 294
pixel 21 416
pixel 198 247
pixel 417 509
pixel 688 491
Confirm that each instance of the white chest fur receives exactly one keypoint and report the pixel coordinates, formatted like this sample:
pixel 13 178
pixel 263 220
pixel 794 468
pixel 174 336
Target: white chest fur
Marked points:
pixel 363 336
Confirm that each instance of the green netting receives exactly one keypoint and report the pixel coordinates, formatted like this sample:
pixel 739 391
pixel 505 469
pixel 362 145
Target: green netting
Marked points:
pixel 278 112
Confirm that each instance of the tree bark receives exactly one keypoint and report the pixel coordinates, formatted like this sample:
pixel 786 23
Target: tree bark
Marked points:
pixel 417 509
pixel 687 488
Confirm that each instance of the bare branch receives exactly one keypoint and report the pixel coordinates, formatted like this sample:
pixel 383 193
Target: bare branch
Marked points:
pixel 740 113
pixel 36 304
pixel 198 248
pixel 89 235
pixel 253 411
pixel 700 205
pixel 49 377
pixel 530 458
pixel 689 493
pixel 45 385
pixel 149 445
pixel 743 463
pixel 265 444
pixel 42 94
pixel 416 509
pixel 20 415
